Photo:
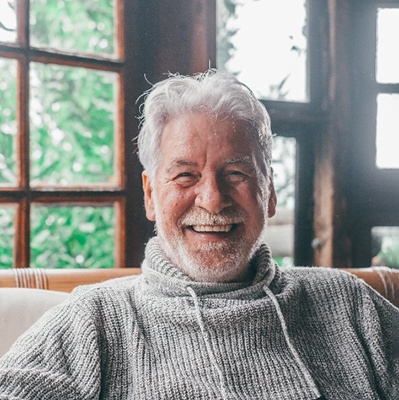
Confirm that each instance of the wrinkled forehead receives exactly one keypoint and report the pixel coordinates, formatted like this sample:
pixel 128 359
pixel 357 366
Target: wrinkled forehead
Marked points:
pixel 190 132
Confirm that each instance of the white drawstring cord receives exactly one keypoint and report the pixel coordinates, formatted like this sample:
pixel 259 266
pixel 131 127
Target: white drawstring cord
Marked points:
pixel 297 358
pixel 205 335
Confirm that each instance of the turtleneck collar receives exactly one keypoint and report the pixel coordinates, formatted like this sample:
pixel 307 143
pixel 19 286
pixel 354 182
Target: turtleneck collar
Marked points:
pixel 159 271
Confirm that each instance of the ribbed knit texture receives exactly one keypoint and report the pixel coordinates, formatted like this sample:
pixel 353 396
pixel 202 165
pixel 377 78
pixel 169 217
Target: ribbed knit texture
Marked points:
pixel 290 334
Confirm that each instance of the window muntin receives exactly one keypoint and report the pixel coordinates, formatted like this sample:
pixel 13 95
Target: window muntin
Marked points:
pixel 265 46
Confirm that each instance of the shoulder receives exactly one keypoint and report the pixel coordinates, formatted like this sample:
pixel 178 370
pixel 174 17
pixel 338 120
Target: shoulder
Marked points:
pixel 320 276
pixel 316 284
pixel 121 286
pixel 108 297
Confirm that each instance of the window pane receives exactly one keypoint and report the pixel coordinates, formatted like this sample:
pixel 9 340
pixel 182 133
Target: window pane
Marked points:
pixel 280 234
pixel 8 21
pixel 73 25
pixel 387 63
pixel 8 123
pixel 265 46
pixel 7 232
pixel 72 121
pixel 387 137
pixel 385 242
pixel 72 237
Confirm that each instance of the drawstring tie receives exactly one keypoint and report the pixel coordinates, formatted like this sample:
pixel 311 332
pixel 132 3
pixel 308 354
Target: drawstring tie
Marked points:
pixel 223 386
pixel 211 355
pixel 297 358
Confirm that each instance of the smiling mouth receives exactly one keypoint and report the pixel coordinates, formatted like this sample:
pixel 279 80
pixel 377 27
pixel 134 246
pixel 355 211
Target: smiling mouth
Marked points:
pixel 212 228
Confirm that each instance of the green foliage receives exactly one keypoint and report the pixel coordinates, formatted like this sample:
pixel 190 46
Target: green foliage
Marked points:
pixel 284 157
pixel 72 125
pixel 284 261
pixel 6 235
pixel 72 237
pixel 225 34
pixel 8 124
pixel 86 26
pixel 389 255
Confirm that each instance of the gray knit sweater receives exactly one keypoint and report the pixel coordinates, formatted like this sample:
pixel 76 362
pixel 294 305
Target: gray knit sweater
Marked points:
pixel 298 333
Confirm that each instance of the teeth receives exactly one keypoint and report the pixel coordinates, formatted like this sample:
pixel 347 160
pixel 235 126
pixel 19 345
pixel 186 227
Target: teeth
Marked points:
pixel 212 228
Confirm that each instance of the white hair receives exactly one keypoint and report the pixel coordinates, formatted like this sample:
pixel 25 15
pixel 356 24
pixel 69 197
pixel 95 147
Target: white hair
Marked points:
pixel 217 93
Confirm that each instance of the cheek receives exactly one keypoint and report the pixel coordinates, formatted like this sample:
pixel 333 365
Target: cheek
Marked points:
pixel 174 203
pixel 254 202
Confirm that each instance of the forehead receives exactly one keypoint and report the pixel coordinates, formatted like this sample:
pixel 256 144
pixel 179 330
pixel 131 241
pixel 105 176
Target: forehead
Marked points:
pixel 198 133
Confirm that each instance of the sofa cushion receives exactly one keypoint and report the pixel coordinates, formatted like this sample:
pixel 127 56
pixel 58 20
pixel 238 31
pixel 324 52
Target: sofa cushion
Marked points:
pixel 20 308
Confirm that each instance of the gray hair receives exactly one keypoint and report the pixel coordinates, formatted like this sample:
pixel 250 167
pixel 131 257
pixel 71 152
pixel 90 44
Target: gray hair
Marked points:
pixel 217 93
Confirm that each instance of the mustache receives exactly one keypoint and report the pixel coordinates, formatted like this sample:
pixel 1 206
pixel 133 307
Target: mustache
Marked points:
pixel 203 217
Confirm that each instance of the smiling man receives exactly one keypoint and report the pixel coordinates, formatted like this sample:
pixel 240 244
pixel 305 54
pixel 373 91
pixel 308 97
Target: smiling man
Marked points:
pixel 212 316
pixel 210 196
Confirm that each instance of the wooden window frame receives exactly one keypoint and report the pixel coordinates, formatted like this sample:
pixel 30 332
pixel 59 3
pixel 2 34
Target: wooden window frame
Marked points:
pixel 374 192
pixel 131 230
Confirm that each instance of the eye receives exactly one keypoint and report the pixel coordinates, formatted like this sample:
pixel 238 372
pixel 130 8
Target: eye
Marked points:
pixel 236 176
pixel 185 179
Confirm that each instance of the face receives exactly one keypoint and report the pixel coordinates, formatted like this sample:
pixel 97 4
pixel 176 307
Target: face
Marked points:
pixel 209 197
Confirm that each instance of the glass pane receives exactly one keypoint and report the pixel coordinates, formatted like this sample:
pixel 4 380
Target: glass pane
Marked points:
pixel 387 137
pixel 385 242
pixel 264 46
pixel 74 25
pixel 387 63
pixel 7 232
pixel 8 21
pixel 72 237
pixel 8 123
pixel 280 233
pixel 72 122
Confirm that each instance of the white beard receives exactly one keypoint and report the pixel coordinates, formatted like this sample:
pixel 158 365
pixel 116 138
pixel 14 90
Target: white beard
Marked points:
pixel 214 262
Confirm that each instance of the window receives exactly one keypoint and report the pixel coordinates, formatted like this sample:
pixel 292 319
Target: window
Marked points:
pixel 270 50
pixel 376 172
pixel 67 189
pixel 274 69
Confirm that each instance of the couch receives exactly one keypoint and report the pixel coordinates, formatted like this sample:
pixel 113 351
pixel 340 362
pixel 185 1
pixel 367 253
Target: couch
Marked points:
pixel 25 294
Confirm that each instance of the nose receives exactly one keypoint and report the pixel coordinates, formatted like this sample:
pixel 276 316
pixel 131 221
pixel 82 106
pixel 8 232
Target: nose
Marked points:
pixel 212 195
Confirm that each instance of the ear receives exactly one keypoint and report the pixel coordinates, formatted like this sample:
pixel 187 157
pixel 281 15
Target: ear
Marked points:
pixel 148 197
pixel 272 197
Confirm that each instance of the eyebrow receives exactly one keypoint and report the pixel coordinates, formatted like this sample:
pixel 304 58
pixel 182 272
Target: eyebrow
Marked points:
pixel 240 160
pixel 180 163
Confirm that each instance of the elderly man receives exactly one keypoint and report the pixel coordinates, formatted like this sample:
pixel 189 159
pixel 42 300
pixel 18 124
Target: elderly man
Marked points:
pixel 211 316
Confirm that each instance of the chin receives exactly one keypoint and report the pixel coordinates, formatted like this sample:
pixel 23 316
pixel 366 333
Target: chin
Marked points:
pixel 216 266
pixel 216 273
pixel 227 261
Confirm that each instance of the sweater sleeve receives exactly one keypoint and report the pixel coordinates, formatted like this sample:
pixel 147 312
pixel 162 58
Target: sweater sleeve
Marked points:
pixel 378 324
pixel 57 358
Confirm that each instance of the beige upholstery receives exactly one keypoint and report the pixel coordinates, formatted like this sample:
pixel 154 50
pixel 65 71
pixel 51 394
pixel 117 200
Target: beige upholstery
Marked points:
pixel 25 294
pixel 21 308
pixel 63 280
